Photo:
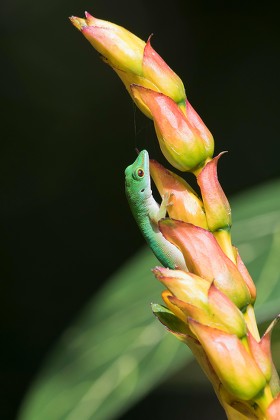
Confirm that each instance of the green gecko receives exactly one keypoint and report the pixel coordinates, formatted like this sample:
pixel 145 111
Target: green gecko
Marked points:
pixel 147 212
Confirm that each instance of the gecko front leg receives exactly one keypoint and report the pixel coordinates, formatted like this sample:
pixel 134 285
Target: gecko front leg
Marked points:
pixel 163 208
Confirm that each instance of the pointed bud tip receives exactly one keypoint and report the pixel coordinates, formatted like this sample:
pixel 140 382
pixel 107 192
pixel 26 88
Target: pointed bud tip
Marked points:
pixel 156 271
pixel 160 272
pixel 79 23
pixel 88 15
pixel 149 39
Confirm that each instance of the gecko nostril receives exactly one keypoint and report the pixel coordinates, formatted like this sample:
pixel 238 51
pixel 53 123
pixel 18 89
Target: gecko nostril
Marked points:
pixel 143 190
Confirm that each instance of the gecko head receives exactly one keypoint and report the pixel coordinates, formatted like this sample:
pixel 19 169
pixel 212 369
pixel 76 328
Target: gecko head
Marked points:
pixel 137 175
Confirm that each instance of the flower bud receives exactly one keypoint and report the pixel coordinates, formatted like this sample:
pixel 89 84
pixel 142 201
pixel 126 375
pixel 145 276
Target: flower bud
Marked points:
pixel 166 295
pixel 219 313
pixel 121 48
pixel 261 353
pixel 236 369
pixel 195 297
pixel 225 314
pixel 190 311
pixel 180 141
pixel 217 208
pixel 197 122
pixel 261 350
pixel 216 205
pixel 185 286
pixel 162 76
pixel 134 60
pixel 205 258
pixel 184 202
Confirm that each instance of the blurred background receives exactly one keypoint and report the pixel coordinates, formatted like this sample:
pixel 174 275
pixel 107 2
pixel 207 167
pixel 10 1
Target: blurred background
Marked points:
pixel 68 131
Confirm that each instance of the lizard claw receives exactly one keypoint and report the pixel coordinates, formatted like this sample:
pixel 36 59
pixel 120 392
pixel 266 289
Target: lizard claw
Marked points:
pixel 166 199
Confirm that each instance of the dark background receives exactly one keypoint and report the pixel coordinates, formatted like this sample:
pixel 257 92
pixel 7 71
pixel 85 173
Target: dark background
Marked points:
pixel 69 129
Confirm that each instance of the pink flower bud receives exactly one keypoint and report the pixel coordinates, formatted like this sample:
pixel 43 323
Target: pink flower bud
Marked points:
pixel 121 48
pixel 236 369
pixel 197 298
pixel 217 208
pixel 225 314
pixel 205 258
pixel 184 202
pixel 180 141
pixel 185 286
pixel 134 60
pixel 261 350
pixel 162 76
pixel 261 353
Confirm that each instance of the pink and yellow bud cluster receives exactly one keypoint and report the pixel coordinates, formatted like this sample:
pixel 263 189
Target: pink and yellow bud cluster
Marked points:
pixel 211 306
pixel 214 299
pixel 134 60
pixel 156 89
pixel 211 301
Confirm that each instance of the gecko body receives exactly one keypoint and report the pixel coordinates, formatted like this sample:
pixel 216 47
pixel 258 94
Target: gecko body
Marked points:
pixel 147 212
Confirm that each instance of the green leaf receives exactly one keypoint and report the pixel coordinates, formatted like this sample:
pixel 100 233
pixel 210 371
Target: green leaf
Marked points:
pixel 114 353
pixel 117 351
pixel 167 318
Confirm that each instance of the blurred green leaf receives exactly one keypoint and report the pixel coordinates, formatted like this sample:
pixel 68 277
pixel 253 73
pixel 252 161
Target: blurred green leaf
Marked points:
pixel 168 319
pixel 113 354
pixel 117 351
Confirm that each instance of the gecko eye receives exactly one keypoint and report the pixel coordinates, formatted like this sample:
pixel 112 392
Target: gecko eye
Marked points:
pixel 140 173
